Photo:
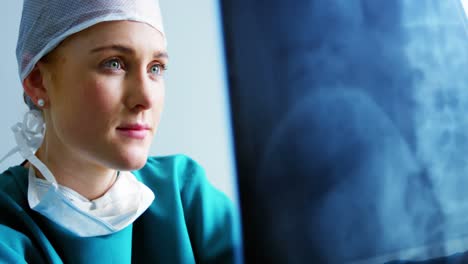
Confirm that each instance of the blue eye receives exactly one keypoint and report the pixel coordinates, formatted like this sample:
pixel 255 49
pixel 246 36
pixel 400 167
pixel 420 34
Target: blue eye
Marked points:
pixel 157 69
pixel 113 64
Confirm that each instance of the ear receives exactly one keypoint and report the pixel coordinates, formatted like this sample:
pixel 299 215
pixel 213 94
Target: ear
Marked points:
pixel 34 86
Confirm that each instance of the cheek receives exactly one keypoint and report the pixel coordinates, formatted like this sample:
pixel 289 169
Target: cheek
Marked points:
pixel 159 104
pixel 93 107
pixel 100 96
pixel 160 98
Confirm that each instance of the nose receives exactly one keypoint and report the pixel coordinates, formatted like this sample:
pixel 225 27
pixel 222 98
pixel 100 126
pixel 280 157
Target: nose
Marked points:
pixel 141 91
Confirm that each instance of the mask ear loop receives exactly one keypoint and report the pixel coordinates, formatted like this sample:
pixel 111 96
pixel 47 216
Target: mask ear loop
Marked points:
pixel 29 135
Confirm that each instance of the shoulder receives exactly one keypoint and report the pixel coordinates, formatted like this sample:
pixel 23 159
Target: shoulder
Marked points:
pixel 13 184
pixel 7 178
pixel 178 170
pixel 181 176
pixel 15 247
pixel 174 163
pixel 210 216
pixel 186 174
pixel 17 228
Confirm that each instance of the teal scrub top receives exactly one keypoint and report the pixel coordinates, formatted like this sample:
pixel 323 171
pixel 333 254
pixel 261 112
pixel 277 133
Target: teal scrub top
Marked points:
pixel 189 221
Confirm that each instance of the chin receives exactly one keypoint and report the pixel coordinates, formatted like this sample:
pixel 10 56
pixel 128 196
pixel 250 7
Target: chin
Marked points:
pixel 130 161
pixel 133 166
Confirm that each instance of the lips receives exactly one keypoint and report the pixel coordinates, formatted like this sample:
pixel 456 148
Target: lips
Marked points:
pixel 134 131
pixel 134 127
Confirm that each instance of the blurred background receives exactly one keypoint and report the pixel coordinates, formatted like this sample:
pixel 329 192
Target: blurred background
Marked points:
pixel 196 119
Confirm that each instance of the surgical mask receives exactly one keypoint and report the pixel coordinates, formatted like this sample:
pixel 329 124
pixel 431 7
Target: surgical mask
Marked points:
pixel 119 207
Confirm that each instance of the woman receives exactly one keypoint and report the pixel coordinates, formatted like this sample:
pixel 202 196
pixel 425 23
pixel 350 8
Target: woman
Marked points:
pixel 92 73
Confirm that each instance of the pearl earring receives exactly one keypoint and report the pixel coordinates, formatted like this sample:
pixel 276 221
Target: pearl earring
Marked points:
pixel 41 102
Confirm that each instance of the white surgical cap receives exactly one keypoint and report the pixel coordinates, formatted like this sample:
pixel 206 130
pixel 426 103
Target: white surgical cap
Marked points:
pixel 46 23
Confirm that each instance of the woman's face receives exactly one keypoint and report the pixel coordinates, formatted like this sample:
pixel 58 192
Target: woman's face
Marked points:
pixel 105 94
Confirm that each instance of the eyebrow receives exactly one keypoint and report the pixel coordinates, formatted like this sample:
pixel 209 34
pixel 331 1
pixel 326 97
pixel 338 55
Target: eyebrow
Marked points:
pixel 128 50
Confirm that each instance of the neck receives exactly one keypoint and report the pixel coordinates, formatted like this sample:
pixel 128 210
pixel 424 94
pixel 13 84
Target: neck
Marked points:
pixel 89 180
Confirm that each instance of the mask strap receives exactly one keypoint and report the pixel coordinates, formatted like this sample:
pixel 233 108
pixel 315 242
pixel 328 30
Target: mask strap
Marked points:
pixel 29 135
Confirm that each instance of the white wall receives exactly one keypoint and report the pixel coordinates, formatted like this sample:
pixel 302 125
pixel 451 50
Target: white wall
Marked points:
pixel 195 121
